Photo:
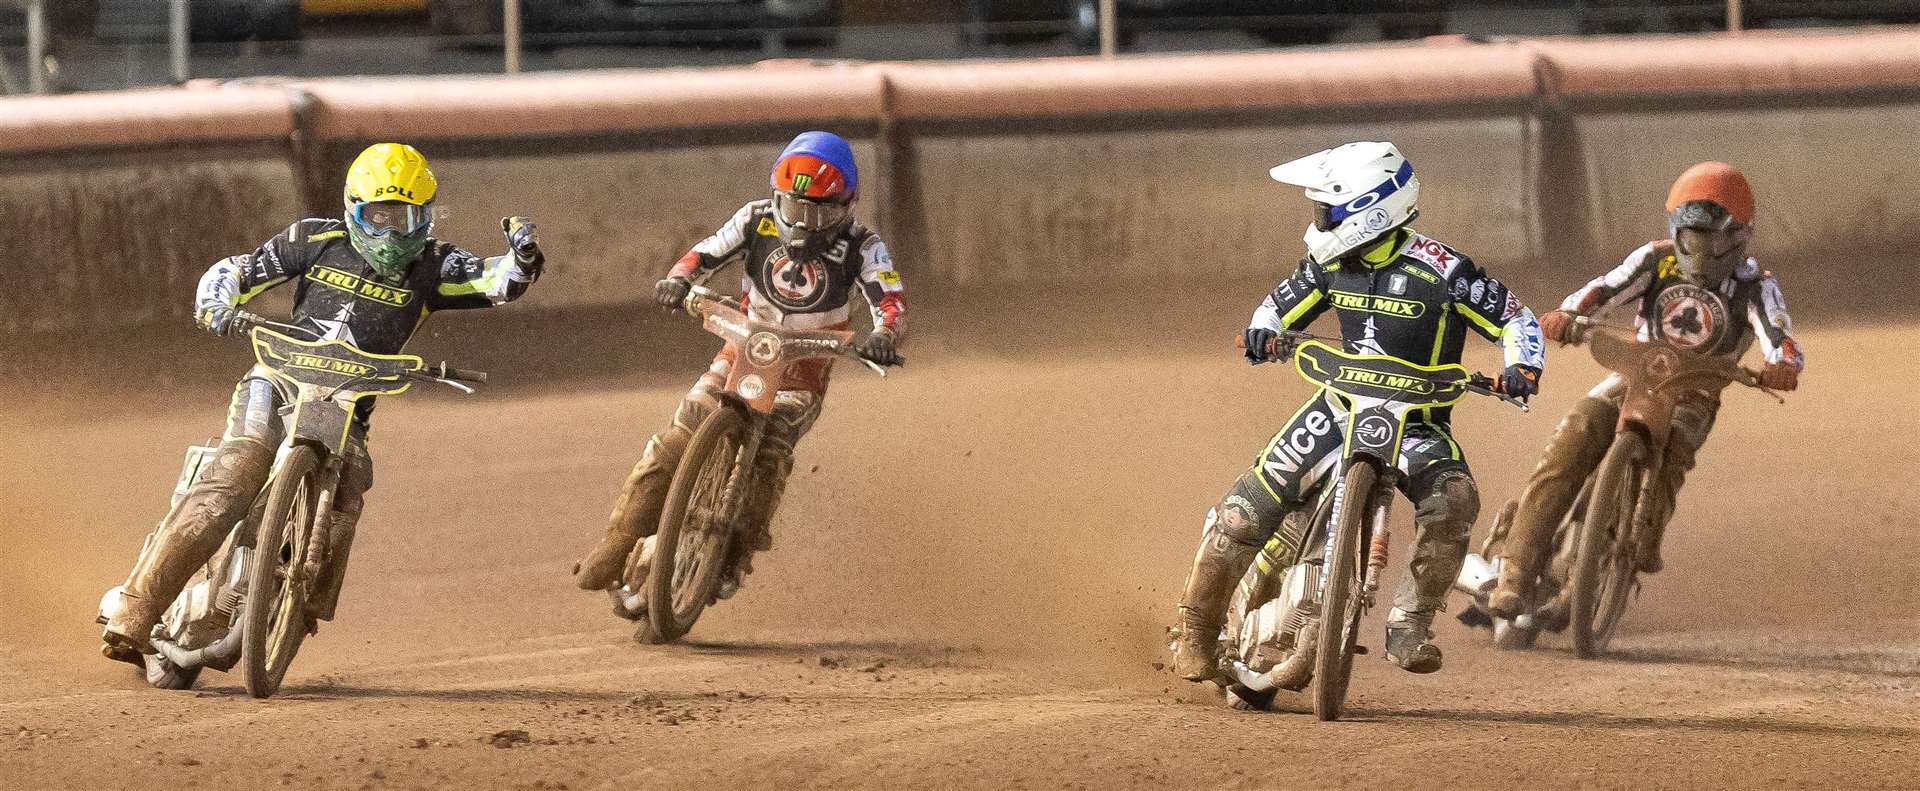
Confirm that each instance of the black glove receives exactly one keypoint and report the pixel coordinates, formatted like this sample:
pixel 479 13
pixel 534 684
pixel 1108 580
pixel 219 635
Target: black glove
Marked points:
pixel 1520 381
pixel 217 319
pixel 878 347
pixel 524 246
pixel 671 292
pixel 1266 346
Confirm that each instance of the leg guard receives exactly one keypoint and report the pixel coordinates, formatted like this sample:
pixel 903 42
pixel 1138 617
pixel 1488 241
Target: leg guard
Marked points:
pixel 1577 447
pixel 793 416
pixel 1235 530
pixel 1447 504
pixel 1692 422
pixel 636 514
pixel 189 535
pixel 356 477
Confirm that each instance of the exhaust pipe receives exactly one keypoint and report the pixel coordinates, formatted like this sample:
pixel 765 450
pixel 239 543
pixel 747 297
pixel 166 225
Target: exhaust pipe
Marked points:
pixel 221 654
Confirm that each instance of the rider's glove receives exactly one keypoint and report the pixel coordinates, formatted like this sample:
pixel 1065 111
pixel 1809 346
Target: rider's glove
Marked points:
pixel 1520 381
pixel 878 347
pixel 1780 376
pixel 1558 326
pixel 216 318
pixel 524 245
pixel 1265 345
pixel 670 292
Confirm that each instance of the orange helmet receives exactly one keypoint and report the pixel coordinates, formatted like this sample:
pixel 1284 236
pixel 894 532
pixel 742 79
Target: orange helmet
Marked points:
pixel 1715 182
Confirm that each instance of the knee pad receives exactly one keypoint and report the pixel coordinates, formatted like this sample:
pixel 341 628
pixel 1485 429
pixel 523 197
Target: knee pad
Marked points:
pixel 1237 519
pixel 1453 502
pixel 1590 418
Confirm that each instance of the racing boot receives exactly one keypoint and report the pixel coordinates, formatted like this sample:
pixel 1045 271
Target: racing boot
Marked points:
pixel 1218 564
pixel 1509 597
pixel 637 513
pixel 189 535
pixel 1410 641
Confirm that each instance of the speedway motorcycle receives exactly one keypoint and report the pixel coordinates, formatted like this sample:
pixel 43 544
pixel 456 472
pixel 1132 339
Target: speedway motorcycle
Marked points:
pixel 250 601
pixel 678 571
pixel 1294 619
pixel 1593 572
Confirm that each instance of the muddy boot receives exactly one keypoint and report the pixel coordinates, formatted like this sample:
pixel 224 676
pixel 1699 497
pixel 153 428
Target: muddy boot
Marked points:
pixel 1510 594
pixel 1203 607
pixel 636 514
pixel 1410 642
pixel 189 535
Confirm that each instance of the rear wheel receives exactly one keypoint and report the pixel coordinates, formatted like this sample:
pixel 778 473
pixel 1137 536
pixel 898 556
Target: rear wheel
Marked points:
pixel 1340 597
pixel 692 546
pixel 276 607
pixel 1603 573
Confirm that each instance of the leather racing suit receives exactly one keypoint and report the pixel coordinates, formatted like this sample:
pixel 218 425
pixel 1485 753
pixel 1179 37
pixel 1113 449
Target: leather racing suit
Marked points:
pixel 1408 296
pixel 1722 321
pixel 338 295
pixel 814 293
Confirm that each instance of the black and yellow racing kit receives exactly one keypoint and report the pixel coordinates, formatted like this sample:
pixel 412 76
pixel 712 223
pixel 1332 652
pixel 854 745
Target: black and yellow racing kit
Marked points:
pixel 338 295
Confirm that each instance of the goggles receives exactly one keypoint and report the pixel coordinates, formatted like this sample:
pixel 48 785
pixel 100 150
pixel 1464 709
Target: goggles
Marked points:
pixel 1323 217
pixel 812 214
pixel 380 218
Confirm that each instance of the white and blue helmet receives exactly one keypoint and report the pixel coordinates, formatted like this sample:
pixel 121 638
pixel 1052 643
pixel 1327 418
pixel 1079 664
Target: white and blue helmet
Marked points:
pixel 1363 191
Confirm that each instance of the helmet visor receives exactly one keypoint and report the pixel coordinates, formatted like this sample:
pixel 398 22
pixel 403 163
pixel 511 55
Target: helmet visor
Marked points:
pixel 380 218
pixel 812 214
pixel 1323 216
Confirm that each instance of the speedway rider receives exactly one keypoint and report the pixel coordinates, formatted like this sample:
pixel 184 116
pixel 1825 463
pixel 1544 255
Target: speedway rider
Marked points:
pixel 1397 293
pixel 803 255
pixel 1697 289
pixel 369 279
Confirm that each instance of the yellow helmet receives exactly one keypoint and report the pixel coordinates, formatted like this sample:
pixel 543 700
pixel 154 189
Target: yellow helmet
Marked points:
pixel 389 205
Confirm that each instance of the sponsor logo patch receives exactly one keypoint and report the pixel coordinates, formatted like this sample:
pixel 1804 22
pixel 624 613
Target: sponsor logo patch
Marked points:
pixel 1690 316
pixel 1432 253
pixel 359 286
pixel 1375 303
pixel 766 227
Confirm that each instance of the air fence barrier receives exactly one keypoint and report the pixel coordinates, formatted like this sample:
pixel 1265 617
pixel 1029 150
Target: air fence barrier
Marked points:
pixel 1553 153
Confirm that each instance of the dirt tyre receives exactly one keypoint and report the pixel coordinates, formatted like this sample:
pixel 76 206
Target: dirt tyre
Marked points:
pixel 276 607
pixel 1603 571
pixel 1340 600
pixel 691 550
pixel 163 674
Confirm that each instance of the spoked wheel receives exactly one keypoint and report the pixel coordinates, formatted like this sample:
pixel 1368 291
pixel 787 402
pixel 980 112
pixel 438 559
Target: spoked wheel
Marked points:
pixel 1340 597
pixel 276 620
pixel 1603 574
pixel 692 546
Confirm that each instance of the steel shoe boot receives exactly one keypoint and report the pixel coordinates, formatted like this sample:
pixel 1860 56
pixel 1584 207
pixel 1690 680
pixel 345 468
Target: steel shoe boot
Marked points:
pixel 1196 651
pixel 1409 642
pixel 1509 597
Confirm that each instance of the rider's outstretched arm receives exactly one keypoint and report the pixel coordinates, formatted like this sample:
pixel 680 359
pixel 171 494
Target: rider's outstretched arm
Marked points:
pixel 1496 313
pixel 234 280
pixel 1296 302
pixel 726 245
pixel 1773 326
pixel 1620 285
pixel 469 281
pixel 880 283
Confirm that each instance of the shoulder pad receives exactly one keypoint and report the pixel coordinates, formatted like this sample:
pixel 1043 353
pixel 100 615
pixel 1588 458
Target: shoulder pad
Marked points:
pixel 1430 251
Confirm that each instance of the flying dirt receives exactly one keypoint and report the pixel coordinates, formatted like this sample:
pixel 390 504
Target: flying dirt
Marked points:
pixel 976 595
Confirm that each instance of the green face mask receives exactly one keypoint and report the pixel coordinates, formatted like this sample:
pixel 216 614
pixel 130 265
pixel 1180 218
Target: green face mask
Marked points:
pixel 388 253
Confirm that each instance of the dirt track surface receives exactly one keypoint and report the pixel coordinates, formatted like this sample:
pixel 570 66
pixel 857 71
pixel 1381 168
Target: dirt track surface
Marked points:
pixel 973 567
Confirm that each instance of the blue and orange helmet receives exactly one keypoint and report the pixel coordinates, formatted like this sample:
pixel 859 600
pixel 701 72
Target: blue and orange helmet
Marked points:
pixel 815 182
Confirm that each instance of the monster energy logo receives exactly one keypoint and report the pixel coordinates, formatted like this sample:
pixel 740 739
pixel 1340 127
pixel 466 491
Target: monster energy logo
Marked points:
pixel 1362 376
pixel 801 181
pixel 1373 303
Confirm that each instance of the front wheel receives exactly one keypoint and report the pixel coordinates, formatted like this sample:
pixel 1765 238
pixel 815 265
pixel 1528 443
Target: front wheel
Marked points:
pixel 1340 597
pixel 692 545
pixel 1603 572
pixel 276 607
